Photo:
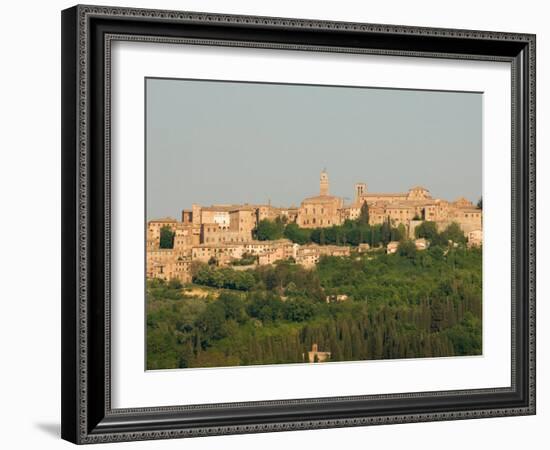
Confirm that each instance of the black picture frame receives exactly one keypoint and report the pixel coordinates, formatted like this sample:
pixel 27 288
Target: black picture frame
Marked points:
pixel 87 416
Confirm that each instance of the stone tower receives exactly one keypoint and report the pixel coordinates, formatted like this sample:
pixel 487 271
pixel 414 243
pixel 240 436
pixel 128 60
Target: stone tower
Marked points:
pixel 360 190
pixel 324 183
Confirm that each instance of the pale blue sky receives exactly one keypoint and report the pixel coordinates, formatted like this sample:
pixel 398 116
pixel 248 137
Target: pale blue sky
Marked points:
pixel 225 142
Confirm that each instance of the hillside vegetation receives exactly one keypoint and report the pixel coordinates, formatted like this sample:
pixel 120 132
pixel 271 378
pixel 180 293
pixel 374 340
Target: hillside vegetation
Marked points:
pixel 408 305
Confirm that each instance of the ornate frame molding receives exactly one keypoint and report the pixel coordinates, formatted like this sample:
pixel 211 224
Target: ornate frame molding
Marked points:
pixel 84 62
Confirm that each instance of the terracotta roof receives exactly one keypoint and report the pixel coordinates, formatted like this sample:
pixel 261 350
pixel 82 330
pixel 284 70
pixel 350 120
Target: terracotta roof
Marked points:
pixel 163 219
pixel 229 208
pixel 419 187
pixel 384 194
pixel 321 199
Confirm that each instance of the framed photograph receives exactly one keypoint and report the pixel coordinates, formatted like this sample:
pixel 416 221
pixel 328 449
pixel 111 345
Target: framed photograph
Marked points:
pixel 279 224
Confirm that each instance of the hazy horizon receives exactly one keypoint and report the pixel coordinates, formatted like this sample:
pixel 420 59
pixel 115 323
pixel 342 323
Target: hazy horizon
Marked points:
pixel 212 142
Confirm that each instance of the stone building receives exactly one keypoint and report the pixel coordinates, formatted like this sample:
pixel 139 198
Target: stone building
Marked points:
pixel 268 252
pixel 415 206
pixel 309 255
pixel 392 247
pixel 314 355
pixel 154 227
pixel 421 244
pixel 271 256
pixel 226 232
pixel 168 264
pixel 258 248
pixel 475 238
pixel 222 253
pixel 213 233
pixel 323 210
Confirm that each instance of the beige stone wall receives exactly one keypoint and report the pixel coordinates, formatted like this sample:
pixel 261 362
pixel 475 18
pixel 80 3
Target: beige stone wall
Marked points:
pixel 400 214
pixel 377 215
pixel 196 214
pixel 267 251
pixel 183 238
pixel 217 216
pixel 154 227
pixel 222 253
pixel 320 212
pixel 271 256
pixel 309 255
pixel 260 247
pixel 242 220
pixel 166 264
pixel 212 233
pixel 475 238
pixel 350 213
pixel 382 197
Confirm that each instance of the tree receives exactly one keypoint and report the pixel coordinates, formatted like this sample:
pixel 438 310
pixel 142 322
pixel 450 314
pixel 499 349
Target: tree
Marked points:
pixel 454 233
pixel 296 234
pixel 322 239
pixel 298 310
pixel 407 249
pixel 400 233
pixel 166 237
pixel 427 230
pixel 385 232
pixel 364 214
pixel 175 283
pixel 480 203
pixel 269 230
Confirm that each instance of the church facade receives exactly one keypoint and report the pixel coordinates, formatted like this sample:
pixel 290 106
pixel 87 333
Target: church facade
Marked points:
pixel 323 210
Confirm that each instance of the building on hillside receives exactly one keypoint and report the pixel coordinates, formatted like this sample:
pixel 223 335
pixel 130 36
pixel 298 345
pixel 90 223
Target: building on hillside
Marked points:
pixel 225 232
pixel 337 298
pixel 475 238
pixel 267 252
pixel 223 254
pixel 392 247
pixel 309 255
pixel 272 256
pixel 315 356
pixel 167 264
pixel 415 206
pixel 154 226
pixel 421 244
pixel 323 210
pixel 213 233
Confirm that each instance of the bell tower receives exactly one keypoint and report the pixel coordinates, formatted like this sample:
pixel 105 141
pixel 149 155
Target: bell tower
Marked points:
pixel 360 190
pixel 323 184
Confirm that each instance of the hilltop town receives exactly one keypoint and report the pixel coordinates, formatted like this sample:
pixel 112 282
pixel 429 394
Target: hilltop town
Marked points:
pixel 227 234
